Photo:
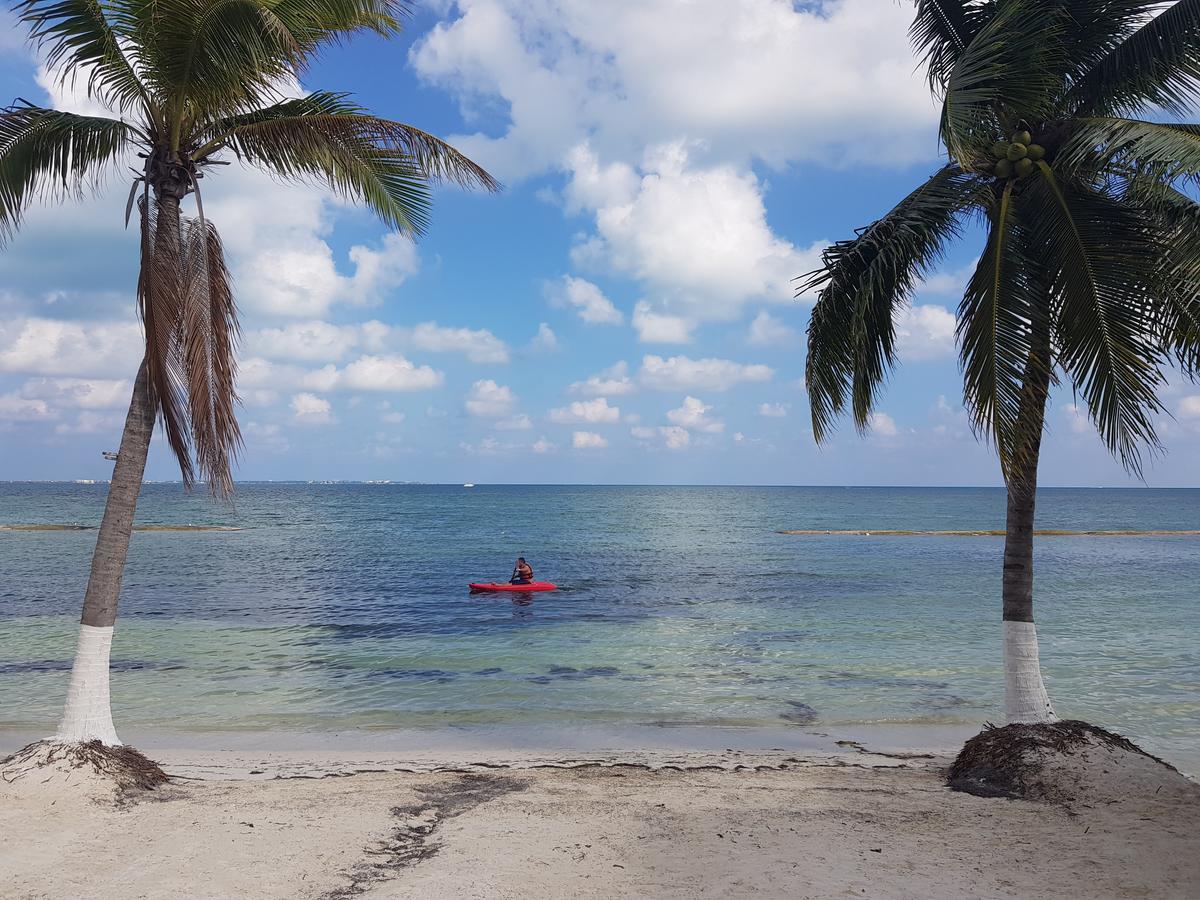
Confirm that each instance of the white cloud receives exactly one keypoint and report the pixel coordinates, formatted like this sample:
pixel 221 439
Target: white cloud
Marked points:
pixel 79 393
pixel 781 81
pixel 1077 419
pixel 56 347
pixel 516 423
pixel 614 381
pixel 588 301
pixel 14 408
pixel 381 373
pixel 680 373
pixel 659 328
pixel 643 432
pixel 490 400
pixel 766 330
pixel 925 333
pixel 309 409
pixel 545 341
pixel 592 412
pixel 266 436
pixel 312 341
pixel 882 425
pixel 1189 407
pixel 480 346
pixel 587 440
pixel 696 237
pixel 325 378
pixel 91 422
pixel 675 437
pixel 541 445
pixel 693 414
pixel 773 410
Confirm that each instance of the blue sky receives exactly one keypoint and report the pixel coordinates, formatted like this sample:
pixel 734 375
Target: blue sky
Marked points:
pixel 622 312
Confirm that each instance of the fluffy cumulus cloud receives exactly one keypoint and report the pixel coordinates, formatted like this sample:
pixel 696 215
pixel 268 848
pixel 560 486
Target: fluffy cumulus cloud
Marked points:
pixel 479 345
pixel 14 408
pixel 379 373
pixel 39 346
pixel 675 437
pixel 1189 407
pixel 773 410
pixel 591 412
pixel 588 440
pixel 659 328
pixel 768 331
pixel 695 236
pixel 925 333
pixel 541 445
pixel 586 299
pixel 613 381
pixel 545 341
pixel 490 400
pixel 743 74
pixel 681 373
pixel 79 393
pixel 309 409
pixel 882 425
pixel 693 414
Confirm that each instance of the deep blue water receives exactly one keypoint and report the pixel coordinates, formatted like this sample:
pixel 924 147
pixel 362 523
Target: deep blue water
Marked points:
pixel 345 606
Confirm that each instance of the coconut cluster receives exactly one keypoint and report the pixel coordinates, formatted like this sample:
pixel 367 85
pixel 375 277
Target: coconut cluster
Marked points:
pixel 1016 158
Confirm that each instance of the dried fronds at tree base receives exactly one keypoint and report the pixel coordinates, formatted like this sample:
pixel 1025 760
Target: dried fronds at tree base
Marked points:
pixel 1062 762
pixel 123 768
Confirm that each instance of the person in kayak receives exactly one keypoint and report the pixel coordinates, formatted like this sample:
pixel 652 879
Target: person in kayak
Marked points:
pixel 522 572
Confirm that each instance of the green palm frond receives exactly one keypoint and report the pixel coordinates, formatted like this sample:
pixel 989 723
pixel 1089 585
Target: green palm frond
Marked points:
pixel 1009 73
pixel 1178 313
pixel 1156 66
pixel 52 154
pixel 1106 278
pixel 317 22
pixel 326 138
pixel 940 33
pixel 1001 322
pixel 85 36
pixel 863 282
pixel 1170 151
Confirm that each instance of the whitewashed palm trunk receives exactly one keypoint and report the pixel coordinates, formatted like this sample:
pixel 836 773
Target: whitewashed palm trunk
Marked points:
pixel 1025 697
pixel 88 713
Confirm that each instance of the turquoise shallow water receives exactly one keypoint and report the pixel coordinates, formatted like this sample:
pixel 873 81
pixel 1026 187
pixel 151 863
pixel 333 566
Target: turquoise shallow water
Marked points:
pixel 341 607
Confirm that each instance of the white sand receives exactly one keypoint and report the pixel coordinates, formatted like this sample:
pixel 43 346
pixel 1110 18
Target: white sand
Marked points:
pixel 857 825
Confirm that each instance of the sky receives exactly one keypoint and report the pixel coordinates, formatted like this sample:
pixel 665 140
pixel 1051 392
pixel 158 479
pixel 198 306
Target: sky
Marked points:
pixel 624 311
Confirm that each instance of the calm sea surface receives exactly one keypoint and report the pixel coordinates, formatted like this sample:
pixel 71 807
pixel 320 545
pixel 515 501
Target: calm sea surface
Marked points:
pixel 339 607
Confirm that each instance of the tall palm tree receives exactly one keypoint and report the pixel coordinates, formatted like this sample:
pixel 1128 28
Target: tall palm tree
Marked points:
pixel 190 82
pixel 1089 269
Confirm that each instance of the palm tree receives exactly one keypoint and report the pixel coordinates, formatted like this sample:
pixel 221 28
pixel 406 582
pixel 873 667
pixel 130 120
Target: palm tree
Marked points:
pixel 1089 270
pixel 190 81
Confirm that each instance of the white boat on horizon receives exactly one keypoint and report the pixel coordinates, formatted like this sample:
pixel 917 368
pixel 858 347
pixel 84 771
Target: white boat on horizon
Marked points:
pixel 468 484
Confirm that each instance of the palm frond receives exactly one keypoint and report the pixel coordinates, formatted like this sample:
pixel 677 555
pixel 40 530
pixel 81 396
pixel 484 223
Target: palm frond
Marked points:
pixel 161 301
pixel 318 22
pixel 1105 261
pixel 1178 314
pixel 940 33
pixel 1011 72
pixel 328 139
pixel 207 339
pixel 45 152
pixel 862 283
pixel 84 36
pixel 1168 151
pixel 1001 320
pixel 1156 66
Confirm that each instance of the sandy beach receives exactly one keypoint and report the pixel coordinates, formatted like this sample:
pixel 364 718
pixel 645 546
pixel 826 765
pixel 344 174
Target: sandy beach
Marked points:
pixel 722 824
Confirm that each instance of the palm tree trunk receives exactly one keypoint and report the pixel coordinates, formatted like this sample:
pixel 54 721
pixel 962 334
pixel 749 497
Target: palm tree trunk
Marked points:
pixel 88 714
pixel 1025 697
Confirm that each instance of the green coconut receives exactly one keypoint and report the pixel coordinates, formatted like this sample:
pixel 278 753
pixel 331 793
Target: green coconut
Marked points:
pixel 1022 137
pixel 1017 151
pixel 1023 167
pixel 1003 169
pixel 1036 152
pixel 1000 149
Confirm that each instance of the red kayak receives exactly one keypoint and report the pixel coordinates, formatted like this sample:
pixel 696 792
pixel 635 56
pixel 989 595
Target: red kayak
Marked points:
pixel 505 586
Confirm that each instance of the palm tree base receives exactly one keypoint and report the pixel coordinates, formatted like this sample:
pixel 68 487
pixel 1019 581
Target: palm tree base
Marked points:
pixel 91 769
pixel 1065 762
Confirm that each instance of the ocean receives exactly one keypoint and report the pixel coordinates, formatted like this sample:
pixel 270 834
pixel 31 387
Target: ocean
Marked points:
pixel 343 608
